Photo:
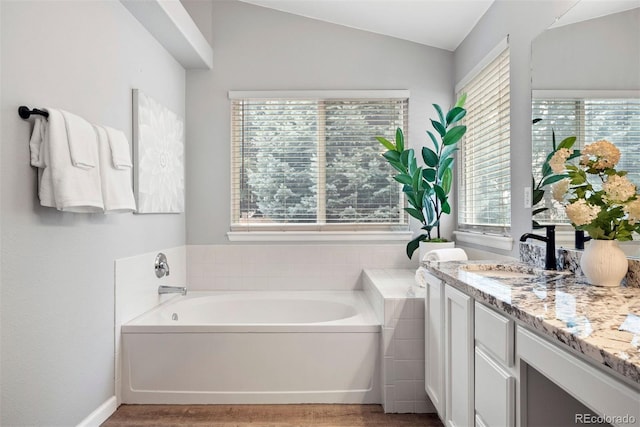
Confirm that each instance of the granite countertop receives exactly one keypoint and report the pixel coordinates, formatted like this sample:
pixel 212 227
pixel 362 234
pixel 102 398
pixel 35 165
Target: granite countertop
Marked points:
pixel 601 323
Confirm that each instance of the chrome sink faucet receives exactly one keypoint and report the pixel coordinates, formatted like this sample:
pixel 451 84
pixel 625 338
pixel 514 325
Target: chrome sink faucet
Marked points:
pixel 550 240
pixel 163 289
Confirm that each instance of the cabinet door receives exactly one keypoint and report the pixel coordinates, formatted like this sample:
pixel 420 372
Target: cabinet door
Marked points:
pixel 434 342
pixel 495 393
pixel 459 372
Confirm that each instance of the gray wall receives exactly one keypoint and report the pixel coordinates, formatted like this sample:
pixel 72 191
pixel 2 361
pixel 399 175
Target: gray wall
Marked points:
pixel 601 53
pixel 57 277
pixel 522 21
pixel 261 49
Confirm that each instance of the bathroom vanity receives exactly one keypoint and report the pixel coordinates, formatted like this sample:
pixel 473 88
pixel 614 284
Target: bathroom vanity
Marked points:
pixel 505 342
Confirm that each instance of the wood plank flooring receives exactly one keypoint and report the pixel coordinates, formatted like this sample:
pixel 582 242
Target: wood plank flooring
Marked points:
pixel 265 416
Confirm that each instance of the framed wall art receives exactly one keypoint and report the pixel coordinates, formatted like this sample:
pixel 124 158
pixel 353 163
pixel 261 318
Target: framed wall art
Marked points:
pixel 158 151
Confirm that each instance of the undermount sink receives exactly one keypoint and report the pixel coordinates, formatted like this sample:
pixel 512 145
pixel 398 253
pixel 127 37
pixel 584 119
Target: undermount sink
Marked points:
pixel 511 271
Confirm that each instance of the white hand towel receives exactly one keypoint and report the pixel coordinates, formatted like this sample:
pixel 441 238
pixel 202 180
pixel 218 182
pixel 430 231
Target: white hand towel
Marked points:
pixel 63 185
pixel 420 278
pixel 82 141
pixel 449 254
pixel 120 151
pixel 117 190
pixel 36 141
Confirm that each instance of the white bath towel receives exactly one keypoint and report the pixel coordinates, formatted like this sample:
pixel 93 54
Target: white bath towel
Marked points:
pixel 449 254
pixel 117 190
pixel 35 143
pixel 82 141
pixel 63 185
pixel 120 149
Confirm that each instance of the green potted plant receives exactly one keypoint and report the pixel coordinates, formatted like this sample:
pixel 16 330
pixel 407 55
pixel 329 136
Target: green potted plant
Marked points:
pixel 427 187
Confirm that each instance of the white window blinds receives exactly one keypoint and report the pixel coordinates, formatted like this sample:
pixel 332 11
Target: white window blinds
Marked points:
pixel 313 163
pixel 588 119
pixel 484 195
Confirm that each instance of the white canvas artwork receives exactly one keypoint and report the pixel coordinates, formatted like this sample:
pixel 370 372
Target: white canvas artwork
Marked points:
pixel 158 136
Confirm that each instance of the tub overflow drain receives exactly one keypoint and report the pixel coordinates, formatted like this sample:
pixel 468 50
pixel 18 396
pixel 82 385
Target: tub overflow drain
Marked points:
pixel 174 316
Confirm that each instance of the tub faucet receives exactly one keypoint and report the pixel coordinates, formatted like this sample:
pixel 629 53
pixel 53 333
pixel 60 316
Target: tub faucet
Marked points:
pixel 550 240
pixel 162 289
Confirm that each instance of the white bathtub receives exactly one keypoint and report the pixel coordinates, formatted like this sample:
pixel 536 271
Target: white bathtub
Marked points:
pixel 254 347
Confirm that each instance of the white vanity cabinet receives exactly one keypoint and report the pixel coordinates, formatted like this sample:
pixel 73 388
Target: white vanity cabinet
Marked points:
pixel 495 379
pixel 434 342
pixel 458 358
pixel 449 355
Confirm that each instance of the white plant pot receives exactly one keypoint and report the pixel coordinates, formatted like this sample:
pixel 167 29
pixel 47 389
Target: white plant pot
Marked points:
pixel 604 263
pixel 430 246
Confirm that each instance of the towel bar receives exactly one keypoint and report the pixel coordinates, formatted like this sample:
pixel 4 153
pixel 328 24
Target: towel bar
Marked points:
pixel 25 112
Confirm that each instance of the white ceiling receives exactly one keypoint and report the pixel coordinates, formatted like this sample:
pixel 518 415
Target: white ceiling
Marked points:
pixel 590 9
pixel 438 23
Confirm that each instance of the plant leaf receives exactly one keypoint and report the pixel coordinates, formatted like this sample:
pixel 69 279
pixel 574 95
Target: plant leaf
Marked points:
pixel 404 158
pixel 439 111
pixel 387 144
pixel 414 244
pixel 534 121
pixel 538 195
pixel 447 179
pixel 455 114
pixel 392 156
pixel 454 134
pixel 446 208
pixel 399 140
pixel 403 178
pixel 461 100
pixel 429 175
pixel 434 140
pixel 442 195
pixel 567 142
pixel 415 213
pixel 552 179
pixel 439 127
pixel 430 157
pixel 447 152
pixel 430 216
pixel 537 211
pixel 445 166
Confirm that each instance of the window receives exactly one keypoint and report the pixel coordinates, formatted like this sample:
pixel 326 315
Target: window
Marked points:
pixel 484 195
pixel 589 118
pixel 310 161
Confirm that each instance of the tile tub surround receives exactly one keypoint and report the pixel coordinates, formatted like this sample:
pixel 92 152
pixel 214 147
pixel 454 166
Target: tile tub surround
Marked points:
pixel 567 310
pixel 569 259
pixel 289 266
pixel 399 305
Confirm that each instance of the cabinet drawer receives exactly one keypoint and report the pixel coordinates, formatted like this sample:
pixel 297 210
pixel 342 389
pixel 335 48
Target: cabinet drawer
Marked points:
pixel 495 333
pixel 494 394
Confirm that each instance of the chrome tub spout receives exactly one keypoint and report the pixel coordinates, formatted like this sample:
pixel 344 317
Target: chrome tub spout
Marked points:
pixel 162 289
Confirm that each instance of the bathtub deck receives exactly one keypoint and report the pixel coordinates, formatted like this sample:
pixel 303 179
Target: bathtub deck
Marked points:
pixel 265 416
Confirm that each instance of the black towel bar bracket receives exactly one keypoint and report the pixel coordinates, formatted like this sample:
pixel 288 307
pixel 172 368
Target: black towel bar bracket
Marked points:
pixel 25 112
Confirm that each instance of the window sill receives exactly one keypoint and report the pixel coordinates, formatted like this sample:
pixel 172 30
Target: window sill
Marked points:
pixel 504 243
pixel 319 236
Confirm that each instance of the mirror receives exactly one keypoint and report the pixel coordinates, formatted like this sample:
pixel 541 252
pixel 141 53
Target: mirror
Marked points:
pixel 586 83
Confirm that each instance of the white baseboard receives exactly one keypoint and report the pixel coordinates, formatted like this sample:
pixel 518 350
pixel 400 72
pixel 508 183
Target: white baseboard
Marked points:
pixel 101 413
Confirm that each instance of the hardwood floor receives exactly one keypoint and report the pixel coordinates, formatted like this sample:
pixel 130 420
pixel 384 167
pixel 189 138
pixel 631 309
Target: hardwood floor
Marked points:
pixel 265 416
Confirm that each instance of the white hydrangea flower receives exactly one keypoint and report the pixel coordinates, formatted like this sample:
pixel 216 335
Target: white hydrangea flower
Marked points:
pixel 582 213
pixel 632 209
pixel 618 189
pixel 559 189
pixel 600 155
pixel 558 160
